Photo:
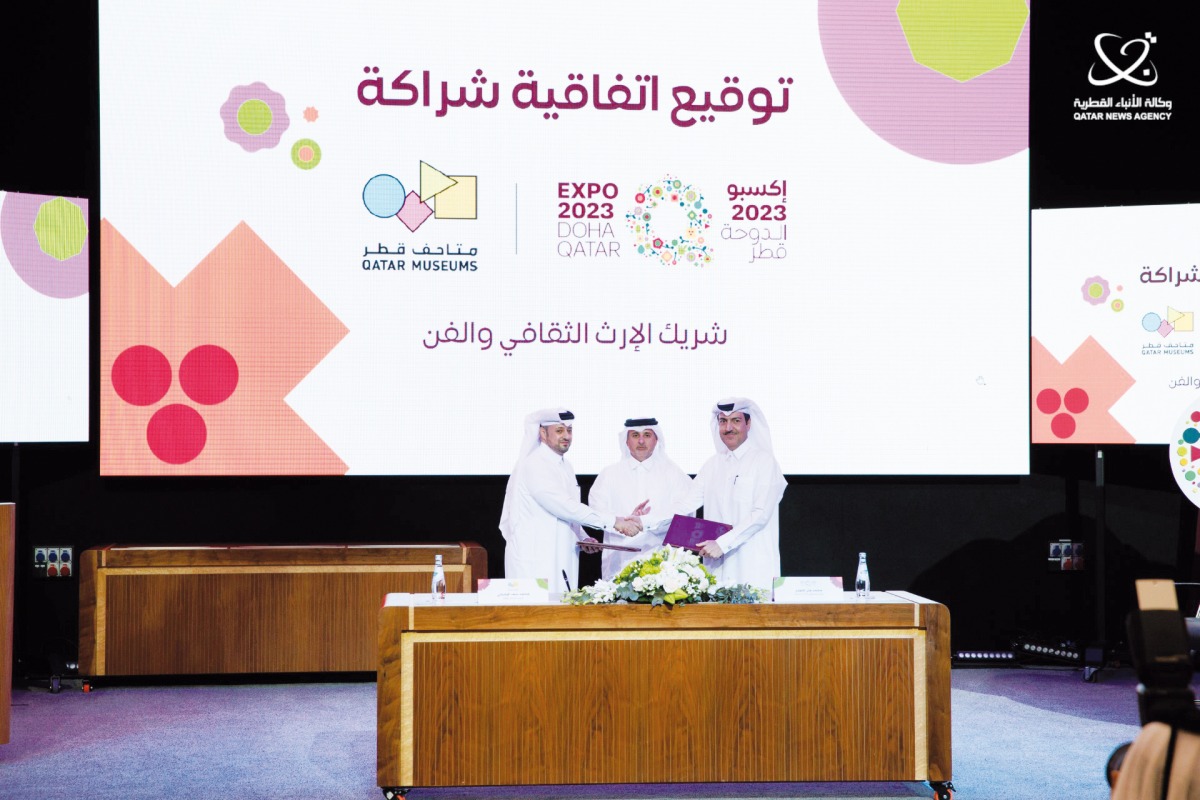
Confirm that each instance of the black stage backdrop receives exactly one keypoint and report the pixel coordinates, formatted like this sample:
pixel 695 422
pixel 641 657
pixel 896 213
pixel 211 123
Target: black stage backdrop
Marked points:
pixel 977 544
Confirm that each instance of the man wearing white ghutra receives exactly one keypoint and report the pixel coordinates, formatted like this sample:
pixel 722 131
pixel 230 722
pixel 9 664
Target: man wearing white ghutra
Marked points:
pixel 644 479
pixel 542 517
pixel 741 485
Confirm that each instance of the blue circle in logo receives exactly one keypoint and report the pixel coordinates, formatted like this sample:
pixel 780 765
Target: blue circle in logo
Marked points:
pixel 384 196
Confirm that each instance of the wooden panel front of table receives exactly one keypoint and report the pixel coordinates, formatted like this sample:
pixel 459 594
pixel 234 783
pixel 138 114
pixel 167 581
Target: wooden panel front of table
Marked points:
pixel 553 694
pixel 221 609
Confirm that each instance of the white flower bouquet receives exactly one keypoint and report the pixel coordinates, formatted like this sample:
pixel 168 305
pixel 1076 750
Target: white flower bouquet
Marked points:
pixel 665 576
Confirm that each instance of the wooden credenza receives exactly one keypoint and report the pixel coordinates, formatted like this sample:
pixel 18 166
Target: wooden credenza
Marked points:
pixel 8 560
pixel 553 694
pixel 249 609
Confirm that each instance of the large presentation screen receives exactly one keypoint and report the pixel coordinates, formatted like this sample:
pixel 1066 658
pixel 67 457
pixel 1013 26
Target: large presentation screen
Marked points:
pixel 369 238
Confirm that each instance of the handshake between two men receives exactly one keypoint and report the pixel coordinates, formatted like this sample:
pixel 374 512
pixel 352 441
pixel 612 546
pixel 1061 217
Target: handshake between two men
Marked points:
pixel 630 525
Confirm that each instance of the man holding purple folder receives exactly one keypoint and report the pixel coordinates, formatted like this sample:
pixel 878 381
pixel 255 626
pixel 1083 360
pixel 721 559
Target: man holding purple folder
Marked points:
pixel 741 485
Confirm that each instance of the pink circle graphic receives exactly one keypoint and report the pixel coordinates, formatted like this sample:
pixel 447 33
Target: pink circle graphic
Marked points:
pixel 141 375
pixel 911 106
pixel 176 433
pixel 41 271
pixel 208 374
pixel 1048 401
pixel 1063 426
pixel 1076 400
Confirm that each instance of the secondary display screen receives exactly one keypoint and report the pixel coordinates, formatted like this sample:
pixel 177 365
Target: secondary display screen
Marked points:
pixel 1114 331
pixel 44 273
pixel 370 239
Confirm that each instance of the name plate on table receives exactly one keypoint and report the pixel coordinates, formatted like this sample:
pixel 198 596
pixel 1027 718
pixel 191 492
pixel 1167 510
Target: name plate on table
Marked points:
pixel 808 589
pixel 427 599
pixel 513 591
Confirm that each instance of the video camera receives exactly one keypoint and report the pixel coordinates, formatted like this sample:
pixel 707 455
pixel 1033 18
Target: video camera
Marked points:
pixel 1162 657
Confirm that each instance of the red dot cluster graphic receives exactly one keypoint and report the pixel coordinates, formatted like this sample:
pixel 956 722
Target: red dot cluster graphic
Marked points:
pixel 1074 401
pixel 141 376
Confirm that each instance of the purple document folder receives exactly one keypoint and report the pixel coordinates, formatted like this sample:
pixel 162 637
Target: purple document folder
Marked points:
pixel 689 531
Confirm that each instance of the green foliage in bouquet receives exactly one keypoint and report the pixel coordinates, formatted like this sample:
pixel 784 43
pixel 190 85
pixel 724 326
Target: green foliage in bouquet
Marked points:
pixel 666 576
pixel 739 593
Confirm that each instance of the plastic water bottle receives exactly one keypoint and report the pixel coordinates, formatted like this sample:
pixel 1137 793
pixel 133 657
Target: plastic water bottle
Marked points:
pixel 862 580
pixel 439 580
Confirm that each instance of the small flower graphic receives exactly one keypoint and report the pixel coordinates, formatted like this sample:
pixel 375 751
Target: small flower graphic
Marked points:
pixel 255 117
pixel 1095 290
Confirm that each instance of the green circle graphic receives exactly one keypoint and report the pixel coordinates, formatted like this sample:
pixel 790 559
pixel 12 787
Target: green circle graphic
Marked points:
pixel 254 117
pixel 306 154
pixel 60 228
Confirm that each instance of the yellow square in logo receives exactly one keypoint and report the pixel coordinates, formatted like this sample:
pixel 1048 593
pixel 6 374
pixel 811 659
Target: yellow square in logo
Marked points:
pixel 458 201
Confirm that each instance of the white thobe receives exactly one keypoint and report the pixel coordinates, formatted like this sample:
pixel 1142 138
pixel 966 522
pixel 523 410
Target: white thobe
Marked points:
pixel 546 520
pixel 742 488
pixel 620 487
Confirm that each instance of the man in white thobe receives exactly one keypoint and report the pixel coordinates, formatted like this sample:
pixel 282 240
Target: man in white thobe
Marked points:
pixel 543 517
pixel 645 477
pixel 741 485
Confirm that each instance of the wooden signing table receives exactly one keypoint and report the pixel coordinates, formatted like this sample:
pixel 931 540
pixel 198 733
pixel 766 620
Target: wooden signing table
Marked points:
pixel 474 695
pixel 197 610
